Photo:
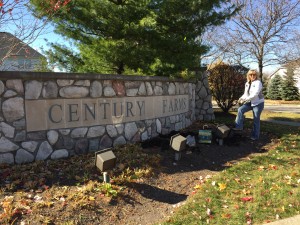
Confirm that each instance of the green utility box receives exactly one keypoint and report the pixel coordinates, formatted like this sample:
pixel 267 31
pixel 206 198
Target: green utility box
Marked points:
pixel 205 135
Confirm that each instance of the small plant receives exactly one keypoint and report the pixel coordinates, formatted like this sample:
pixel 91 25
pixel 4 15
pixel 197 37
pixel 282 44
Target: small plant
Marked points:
pixel 108 190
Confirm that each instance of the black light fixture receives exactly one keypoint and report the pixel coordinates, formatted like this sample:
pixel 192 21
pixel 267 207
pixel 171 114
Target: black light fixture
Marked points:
pixel 178 143
pixel 222 132
pixel 105 160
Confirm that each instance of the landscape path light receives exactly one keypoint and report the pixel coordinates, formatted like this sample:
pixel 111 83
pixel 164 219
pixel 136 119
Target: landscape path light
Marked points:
pixel 178 143
pixel 105 160
pixel 222 132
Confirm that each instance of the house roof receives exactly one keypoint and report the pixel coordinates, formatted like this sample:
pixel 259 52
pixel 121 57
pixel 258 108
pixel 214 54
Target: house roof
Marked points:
pixel 275 72
pixel 13 46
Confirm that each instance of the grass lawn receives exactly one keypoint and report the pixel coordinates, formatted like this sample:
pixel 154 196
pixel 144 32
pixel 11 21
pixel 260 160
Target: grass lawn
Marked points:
pixel 284 116
pixel 263 188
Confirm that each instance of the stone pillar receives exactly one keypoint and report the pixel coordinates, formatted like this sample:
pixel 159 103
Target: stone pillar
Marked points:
pixel 203 99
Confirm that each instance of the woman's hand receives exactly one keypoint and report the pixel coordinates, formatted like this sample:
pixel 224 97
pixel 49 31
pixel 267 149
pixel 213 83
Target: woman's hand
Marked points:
pixel 242 101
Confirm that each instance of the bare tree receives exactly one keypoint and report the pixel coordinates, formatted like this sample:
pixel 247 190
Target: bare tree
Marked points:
pixel 258 32
pixel 292 54
pixel 16 20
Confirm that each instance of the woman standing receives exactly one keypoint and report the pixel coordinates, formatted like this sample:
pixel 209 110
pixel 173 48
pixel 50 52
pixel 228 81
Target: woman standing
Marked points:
pixel 252 99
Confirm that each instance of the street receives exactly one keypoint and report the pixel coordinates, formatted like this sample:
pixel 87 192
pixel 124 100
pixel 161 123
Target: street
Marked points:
pixel 283 108
pixel 292 108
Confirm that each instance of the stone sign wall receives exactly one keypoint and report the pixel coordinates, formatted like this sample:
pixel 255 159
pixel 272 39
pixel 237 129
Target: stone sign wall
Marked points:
pixel 56 115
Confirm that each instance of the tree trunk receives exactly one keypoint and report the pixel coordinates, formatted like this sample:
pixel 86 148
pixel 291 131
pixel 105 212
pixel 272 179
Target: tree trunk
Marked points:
pixel 120 69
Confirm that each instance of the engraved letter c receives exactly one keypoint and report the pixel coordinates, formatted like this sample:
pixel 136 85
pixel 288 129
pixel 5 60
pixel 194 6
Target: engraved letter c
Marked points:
pixel 50 113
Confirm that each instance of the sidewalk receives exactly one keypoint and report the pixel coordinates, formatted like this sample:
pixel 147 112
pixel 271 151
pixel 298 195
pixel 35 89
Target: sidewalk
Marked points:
pixel 288 221
pixel 296 124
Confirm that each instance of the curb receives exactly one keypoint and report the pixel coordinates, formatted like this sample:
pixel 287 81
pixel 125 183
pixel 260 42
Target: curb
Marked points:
pixel 288 221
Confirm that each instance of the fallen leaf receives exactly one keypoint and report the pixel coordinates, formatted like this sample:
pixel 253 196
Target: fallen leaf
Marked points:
pixel 37 198
pixel 236 206
pixel 222 186
pixel 208 199
pixel 197 186
pixel 274 187
pixel 17 182
pixel 208 211
pixel 247 199
pixel 228 164
pixel 238 180
pixel 261 168
pixel 49 204
pixel 294 174
pixel 246 192
pixel 248 214
pixel 45 187
pixel 226 216
pixel 208 177
pixel 249 222
pixel 272 166
pixel 91 198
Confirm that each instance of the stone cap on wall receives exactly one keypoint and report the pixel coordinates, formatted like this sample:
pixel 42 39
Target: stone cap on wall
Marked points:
pixel 5 75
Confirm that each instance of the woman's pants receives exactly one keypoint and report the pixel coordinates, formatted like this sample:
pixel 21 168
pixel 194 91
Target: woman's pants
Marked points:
pixel 239 121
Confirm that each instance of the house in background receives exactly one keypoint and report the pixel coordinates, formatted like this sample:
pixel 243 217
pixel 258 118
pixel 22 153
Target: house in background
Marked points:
pixel 282 72
pixel 15 55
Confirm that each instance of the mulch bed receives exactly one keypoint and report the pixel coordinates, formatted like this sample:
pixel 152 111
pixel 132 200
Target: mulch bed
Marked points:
pixel 155 199
pixel 150 200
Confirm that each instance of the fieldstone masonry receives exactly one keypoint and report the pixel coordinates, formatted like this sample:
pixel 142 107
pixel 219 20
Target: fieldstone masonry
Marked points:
pixel 203 99
pixel 20 145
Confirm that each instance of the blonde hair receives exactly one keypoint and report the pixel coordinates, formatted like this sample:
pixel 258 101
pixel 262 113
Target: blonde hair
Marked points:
pixel 251 72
